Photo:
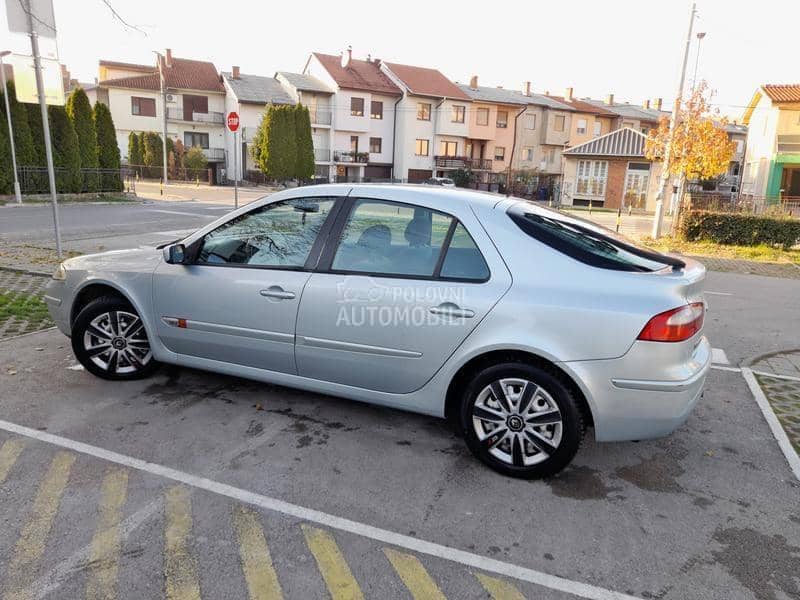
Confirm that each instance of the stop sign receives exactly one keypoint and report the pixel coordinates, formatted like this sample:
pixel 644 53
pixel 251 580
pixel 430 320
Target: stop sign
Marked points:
pixel 233 121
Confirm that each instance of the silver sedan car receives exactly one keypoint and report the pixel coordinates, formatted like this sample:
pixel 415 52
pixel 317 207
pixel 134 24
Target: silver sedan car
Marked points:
pixel 522 325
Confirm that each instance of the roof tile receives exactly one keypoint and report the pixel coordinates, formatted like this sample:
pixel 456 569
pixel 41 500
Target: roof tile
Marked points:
pixel 358 75
pixel 256 89
pixel 789 92
pixel 423 81
pixel 585 107
pixel 184 74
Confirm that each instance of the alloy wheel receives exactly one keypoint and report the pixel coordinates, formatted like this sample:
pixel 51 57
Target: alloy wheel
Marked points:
pixel 116 342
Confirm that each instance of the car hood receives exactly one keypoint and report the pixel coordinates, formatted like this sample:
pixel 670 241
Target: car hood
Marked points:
pixel 144 257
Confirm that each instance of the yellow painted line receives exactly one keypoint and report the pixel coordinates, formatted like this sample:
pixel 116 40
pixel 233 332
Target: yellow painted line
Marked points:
pixel 499 589
pixel 262 580
pixel 9 453
pixel 104 553
pixel 179 566
pixel 340 581
pixel 414 575
pixel 33 536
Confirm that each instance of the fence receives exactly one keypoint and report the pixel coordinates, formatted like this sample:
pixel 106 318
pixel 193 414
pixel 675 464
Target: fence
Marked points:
pixel 788 206
pixel 35 180
pixel 174 173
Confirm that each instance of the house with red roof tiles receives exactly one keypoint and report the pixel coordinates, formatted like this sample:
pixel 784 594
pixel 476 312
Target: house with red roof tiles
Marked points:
pixel 194 99
pixel 772 156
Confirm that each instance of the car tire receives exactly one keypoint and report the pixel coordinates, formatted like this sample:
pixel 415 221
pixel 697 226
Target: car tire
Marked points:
pixel 110 341
pixel 521 420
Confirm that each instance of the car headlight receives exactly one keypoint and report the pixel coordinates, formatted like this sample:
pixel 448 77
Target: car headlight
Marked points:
pixel 60 274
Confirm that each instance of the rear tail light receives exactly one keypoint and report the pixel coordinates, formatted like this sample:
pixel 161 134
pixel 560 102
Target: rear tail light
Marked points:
pixel 675 325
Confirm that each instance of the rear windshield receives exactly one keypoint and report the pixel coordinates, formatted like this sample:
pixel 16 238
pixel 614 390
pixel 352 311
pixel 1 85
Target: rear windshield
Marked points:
pixel 586 241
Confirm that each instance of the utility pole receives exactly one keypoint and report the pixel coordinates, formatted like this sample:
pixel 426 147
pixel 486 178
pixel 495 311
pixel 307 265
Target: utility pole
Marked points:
pixel 163 115
pixel 17 193
pixel 37 66
pixel 658 218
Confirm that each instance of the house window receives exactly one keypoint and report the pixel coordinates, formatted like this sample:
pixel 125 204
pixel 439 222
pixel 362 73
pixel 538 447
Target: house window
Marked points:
pixel 357 107
pixel 581 129
pixel 739 146
pixel 448 148
pixel 502 119
pixel 529 154
pixel 558 123
pixel 550 156
pixel 530 122
pixel 143 107
pixel 482 116
pixel 629 124
pixel 645 130
pixel 376 110
pixel 458 114
pixel 422 147
pixel 194 138
pixel 592 177
pixel 597 128
pixel 499 153
pixel 375 145
pixel 423 111
pixel 354 144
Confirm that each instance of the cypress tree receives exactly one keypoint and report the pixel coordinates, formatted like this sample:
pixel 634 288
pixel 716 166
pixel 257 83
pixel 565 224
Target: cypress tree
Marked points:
pixel 134 149
pixel 6 174
pixel 152 153
pixel 304 164
pixel 38 182
pixel 66 151
pixel 289 141
pixel 79 111
pixel 23 141
pixel 107 148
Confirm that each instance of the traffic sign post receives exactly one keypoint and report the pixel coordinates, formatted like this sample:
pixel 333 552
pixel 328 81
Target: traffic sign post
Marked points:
pixel 233 126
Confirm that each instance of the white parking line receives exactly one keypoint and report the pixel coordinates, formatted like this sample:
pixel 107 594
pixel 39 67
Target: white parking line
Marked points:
pixel 718 293
pixel 724 368
pixel 718 357
pixel 178 212
pixel 476 561
pixel 777 431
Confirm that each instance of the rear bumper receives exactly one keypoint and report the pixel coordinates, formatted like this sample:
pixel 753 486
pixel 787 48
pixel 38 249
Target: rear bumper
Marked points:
pixel 627 407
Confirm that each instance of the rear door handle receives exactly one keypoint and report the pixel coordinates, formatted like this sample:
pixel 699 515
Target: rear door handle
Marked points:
pixel 448 309
pixel 277 292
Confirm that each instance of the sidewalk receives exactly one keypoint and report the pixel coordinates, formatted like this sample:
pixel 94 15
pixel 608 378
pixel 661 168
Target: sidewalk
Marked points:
pixel 778 374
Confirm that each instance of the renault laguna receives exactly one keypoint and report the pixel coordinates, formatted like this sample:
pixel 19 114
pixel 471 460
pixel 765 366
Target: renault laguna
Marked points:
pixel 522 325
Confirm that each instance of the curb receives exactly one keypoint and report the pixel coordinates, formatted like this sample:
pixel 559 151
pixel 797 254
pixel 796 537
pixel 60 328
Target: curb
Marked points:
pixel 22 335
pixel 25 271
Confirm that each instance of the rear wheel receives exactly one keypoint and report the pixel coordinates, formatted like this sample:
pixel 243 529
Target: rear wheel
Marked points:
pixel 521 420
pixel 110 341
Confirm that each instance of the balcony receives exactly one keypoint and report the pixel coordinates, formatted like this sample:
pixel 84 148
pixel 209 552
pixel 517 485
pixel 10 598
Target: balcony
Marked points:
pixel 322 155
pixel 214 154
pixel 320 117
pixel 350 157
pixel 463 162
pixel 213 118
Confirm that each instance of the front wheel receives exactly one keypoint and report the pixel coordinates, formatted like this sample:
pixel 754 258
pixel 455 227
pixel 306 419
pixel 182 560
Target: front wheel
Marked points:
pixel 521 420
pixel 110 341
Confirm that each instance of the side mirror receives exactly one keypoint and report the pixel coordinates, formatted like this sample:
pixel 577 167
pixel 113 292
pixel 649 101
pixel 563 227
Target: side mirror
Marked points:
pixel 175 254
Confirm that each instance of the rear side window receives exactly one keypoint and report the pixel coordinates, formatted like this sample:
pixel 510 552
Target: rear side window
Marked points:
pixel 463 259
pixel 586 242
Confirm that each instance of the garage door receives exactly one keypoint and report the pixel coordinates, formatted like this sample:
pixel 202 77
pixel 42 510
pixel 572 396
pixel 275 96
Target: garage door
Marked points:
pixel 417 175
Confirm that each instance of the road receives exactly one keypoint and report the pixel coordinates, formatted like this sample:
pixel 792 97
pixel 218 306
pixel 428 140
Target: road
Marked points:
pixel 192 484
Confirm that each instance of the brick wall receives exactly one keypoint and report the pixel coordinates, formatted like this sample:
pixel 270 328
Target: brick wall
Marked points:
pixel 615 186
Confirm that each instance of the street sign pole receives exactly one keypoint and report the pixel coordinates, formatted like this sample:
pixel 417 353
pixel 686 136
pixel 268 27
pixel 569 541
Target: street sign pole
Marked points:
pixel 37 65
pixel 17 193
pixel 235 169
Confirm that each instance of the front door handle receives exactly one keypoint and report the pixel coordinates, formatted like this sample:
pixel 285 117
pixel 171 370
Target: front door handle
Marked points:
pixel 448 309
pixel 277 292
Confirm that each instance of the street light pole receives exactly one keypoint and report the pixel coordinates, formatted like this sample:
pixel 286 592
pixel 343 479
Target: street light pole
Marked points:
pixel 17 193
pixel 658 218
pixel 700 36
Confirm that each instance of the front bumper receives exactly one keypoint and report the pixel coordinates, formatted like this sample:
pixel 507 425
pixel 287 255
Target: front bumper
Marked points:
pixel 54 295
pixel 627 406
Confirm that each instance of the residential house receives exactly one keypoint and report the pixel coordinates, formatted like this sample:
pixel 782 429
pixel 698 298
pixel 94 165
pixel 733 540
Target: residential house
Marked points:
pixel 641 118
pixel 611 171
pixel 363 115
pixel 588 120
pixel 772 156
pixel 731 180
pixel 434 120
pixel 318 97
pixel 248 96
pixel 194 96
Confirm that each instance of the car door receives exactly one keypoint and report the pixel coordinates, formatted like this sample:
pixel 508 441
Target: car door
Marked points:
pixel 237 301
pixel 395 295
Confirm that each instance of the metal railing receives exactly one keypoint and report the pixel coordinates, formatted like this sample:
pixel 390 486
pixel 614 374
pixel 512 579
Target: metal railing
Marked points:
pixel 787 206
pixel 214 153
pixel 320 117
pixel 322 155
pixel 174 173
pixel 350 157
pixel 178 114
pixel 463 162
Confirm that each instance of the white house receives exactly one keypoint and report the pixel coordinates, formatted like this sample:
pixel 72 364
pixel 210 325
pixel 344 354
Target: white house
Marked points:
pixel 195 103
pixel 363 115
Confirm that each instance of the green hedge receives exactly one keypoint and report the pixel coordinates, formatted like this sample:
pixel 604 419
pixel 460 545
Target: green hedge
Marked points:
pixel 739 229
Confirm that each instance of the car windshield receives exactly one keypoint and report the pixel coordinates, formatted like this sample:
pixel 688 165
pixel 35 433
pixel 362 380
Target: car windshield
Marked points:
pixel 586 242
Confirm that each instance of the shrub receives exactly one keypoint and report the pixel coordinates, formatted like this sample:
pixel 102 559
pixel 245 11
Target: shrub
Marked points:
pixel 195 159
pixel 23 140
pixel 304 167
pixel 134 149
pixel 107 148
pixel 739 229
pixel 79 111
pixel 66 152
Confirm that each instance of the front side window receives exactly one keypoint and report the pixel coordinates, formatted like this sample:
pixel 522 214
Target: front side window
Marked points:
pixel 421 148
pixel 502 118
pixel 275 235
pixel 499 153
pixel 357 107
pixel 482 116
pixel 423 111
pixel 458 114
pixel 376 110
pixel 387 238
pixel 194 138
pixel 375 145
pixel 558 123
pixel 448 148
pixel 143 107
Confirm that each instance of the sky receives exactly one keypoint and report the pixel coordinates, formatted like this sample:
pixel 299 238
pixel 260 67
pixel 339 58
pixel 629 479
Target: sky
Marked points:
pixel 631 48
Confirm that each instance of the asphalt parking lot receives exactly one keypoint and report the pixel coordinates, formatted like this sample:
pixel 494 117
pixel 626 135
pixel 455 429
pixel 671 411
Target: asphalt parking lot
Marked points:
pixel 194 485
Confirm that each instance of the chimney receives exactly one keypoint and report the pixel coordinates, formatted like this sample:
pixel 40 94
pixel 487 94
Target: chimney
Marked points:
pixel 526 88
pixel 568 94
pixel 235 72
pixel 646 104
pixel 473 82
pixel 347 57
pixel 658 103
pixel 377 61
pixel 169 57
pixel 610 99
